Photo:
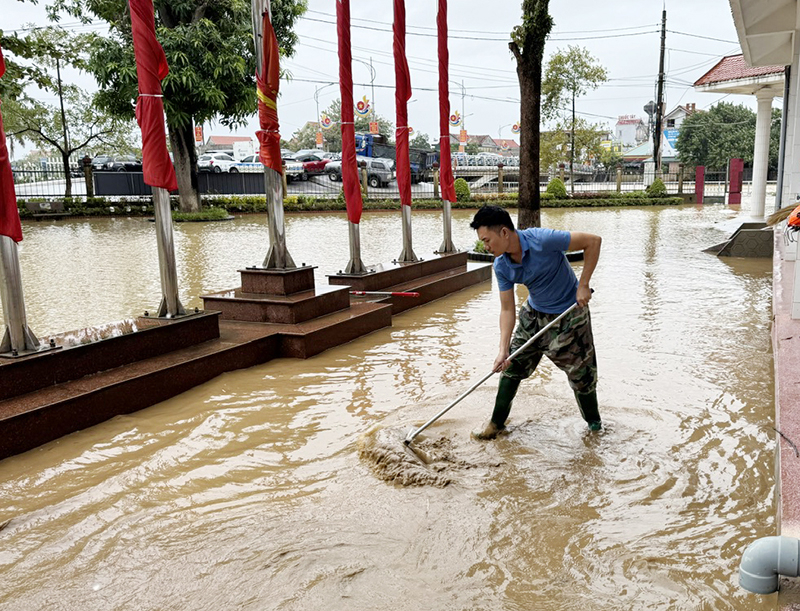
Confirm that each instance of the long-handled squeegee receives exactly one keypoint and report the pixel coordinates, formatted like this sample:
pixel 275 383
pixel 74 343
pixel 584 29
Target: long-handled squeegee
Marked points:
pixel 414 432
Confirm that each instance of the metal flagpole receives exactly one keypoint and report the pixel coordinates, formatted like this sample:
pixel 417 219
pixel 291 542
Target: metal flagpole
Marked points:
pixel 18 338
pixel 170 305
pixel 278 256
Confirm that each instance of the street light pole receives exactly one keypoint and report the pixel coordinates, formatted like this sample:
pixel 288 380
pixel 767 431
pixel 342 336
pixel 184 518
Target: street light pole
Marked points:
pixel 371 79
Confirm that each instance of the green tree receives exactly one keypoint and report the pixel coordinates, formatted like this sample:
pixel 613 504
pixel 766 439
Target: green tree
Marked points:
pixel 569 75
pixel 71 125
pixel 527 46
pixel 305 137
pixel 724 132
pixel 210 50
pixel 556 144
pixel 421 141
pixel 472 148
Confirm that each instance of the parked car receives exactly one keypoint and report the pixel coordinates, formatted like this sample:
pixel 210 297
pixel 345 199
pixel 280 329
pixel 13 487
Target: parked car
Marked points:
pixel 99 162
pixel 312 164
pixel 216 162
pixel 292 168
pixel 124 163
pixel 380 171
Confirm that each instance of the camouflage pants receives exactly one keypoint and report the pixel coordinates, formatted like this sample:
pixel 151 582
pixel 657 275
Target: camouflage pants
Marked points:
pixel 569 344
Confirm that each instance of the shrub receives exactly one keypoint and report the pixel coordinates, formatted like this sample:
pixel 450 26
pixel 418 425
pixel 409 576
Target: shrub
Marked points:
pixel 657 189
pixel 479 246
pixel 557 189
pixel 462 190
pixel 208 214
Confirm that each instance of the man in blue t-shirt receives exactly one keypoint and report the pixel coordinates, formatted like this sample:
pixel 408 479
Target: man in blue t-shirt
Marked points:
pixel 536 258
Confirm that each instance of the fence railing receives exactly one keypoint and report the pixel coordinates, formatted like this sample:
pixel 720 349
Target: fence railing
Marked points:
pixel 130 186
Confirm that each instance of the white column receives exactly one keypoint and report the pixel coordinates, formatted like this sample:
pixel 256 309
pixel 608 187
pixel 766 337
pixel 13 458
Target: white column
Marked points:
pixel 761 154
pixel 791 167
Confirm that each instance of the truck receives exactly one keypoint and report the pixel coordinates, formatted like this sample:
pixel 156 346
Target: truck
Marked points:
pixel 375 145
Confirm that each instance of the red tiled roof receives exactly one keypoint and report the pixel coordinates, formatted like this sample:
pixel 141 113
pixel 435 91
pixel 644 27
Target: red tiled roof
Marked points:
pixel 733 68
pixel 227 139
pixel 511 143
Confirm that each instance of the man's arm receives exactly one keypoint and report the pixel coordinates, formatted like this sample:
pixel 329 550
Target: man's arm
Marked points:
pixel 508 316
pixel 590 245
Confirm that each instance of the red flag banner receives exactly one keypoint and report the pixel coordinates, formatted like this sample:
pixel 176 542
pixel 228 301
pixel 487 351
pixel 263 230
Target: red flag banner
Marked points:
pixel 401 96
pixel 9 214
pixel 268 83
pixel 151 68
pixel 445 162
pixel 352 187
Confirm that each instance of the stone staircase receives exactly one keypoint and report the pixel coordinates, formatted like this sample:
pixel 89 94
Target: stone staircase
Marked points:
pixel 274 313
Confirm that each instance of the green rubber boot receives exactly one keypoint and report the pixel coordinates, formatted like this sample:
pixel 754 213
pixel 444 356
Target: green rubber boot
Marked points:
pixel 587 403
pixel 506 391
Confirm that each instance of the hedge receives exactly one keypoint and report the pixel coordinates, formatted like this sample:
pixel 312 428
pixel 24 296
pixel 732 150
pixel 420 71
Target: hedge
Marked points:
pixel 299 203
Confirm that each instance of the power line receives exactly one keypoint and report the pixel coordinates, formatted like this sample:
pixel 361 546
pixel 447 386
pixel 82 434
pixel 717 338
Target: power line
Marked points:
pixel 504 39
pixel 730 42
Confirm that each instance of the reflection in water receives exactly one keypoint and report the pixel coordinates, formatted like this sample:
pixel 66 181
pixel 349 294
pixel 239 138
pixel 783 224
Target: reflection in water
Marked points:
pixel 248 492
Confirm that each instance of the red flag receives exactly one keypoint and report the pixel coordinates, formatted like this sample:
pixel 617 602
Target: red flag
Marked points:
pixel 445 163
pixel 401 97
pixel 352 187
pixel 9 214
pixel 151 68
pixel 269 136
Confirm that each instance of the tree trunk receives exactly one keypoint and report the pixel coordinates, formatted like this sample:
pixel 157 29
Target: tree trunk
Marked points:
pixel 572 150
pixel 182 140
pixel 529 73
pixel 67 175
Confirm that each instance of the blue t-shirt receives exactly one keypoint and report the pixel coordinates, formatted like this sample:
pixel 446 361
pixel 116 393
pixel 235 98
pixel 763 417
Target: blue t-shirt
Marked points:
pixel 544 269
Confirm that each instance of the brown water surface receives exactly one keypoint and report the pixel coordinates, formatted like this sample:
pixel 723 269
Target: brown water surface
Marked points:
pixel 248 492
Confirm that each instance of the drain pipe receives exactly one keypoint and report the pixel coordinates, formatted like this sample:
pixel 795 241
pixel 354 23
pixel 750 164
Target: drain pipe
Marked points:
pixel 765 560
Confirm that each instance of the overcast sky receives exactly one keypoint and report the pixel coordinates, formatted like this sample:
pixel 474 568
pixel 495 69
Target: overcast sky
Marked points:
pixel 622 35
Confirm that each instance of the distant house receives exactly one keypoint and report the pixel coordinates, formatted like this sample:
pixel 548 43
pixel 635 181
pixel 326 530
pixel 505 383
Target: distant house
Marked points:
pixel 630 130
pixel 487 144
pixel 507 147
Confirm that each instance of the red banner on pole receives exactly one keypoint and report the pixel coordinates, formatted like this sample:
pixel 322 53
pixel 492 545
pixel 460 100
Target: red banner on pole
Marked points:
pixel 402 95
pixel 9 214
pixel 268 83
pixel 445 162
pixel 352 186
pixel 151 68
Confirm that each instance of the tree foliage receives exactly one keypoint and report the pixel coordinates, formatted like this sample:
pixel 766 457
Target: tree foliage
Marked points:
pixel 724 132
pixel 555 144
pixel 570 74
pixel 527 46
pixel 73 123
pixel 306 136
pixel 421 141
pixel 211 54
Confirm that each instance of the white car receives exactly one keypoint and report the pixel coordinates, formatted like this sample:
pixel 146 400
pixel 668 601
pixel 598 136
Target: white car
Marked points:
pixel 216 162
pixel 293 169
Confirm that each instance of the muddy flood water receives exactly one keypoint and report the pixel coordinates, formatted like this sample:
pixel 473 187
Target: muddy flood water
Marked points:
pixel 249 493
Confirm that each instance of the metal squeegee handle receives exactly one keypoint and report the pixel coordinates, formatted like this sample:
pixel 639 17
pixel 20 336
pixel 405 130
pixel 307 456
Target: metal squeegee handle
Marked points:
pixel 413 433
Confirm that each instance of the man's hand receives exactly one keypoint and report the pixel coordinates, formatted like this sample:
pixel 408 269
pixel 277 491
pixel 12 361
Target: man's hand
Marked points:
pixel 501 362
pixel 583 295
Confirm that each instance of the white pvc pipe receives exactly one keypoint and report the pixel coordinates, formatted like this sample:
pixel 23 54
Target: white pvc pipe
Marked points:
pixel 765 560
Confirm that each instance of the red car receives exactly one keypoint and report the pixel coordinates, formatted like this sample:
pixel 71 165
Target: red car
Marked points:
pixel 312 164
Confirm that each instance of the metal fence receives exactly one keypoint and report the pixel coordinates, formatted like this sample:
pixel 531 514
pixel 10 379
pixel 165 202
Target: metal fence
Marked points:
pixel 130 186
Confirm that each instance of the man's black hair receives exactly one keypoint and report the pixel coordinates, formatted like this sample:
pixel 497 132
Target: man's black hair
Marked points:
pixel 491 217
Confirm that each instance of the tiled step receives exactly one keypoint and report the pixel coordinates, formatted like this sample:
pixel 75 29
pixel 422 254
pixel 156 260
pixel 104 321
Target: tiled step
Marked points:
pixel 395 273
pixel 153 337
pixel 436 286
pixel 284 309
pixel 38 417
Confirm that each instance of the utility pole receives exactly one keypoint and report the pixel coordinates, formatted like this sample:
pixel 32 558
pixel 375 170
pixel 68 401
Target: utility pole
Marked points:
pixel 660 100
